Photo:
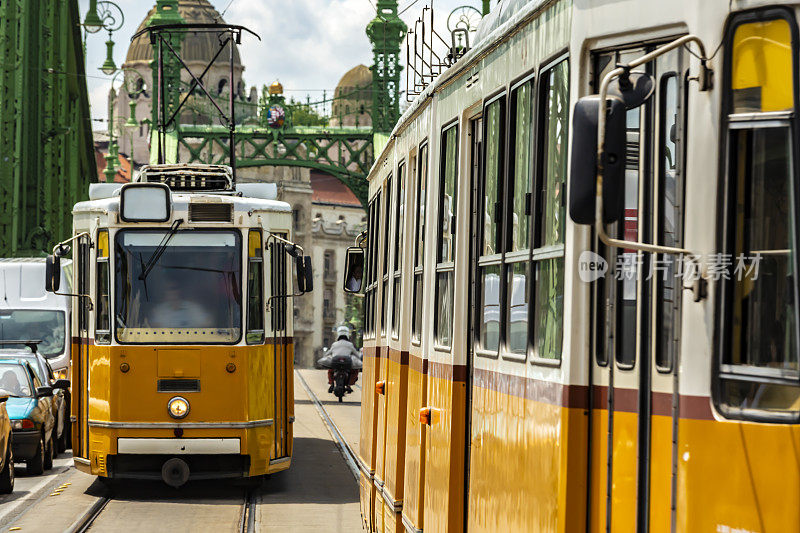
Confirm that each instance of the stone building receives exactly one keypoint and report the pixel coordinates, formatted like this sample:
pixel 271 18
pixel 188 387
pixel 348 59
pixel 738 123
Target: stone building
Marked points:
pixel 326 214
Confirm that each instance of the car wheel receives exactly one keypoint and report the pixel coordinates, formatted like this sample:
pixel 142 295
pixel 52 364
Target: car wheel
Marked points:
pixel 35 465
pixel 49 452
pixel 7 475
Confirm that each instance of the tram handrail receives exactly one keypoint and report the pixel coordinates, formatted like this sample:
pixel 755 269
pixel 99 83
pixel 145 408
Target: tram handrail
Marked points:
pixel 704 79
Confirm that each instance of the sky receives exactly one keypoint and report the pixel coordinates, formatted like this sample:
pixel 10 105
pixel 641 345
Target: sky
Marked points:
pixel 307 44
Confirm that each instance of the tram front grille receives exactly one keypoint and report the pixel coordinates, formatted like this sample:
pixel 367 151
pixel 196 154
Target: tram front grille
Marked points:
pixel 178 385
pixel 210 212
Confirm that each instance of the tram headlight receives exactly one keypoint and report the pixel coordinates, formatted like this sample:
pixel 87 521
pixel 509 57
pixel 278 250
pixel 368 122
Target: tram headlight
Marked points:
pixel 178 407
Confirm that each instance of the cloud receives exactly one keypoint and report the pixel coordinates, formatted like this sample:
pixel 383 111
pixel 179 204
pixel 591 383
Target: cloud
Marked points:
pixel 307 44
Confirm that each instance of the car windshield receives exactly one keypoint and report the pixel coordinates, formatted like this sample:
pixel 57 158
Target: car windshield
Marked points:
pixel 192 292
pixel 14 380
pixel 46 326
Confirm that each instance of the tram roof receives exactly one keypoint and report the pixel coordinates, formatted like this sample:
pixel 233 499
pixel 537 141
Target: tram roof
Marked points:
pixel 181 201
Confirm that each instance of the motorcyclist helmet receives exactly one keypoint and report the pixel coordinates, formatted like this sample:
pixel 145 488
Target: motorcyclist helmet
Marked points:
pixel 343 331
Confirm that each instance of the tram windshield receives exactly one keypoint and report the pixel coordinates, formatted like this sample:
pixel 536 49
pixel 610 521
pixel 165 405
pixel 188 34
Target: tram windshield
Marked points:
pixel 42 325
pixel 191 292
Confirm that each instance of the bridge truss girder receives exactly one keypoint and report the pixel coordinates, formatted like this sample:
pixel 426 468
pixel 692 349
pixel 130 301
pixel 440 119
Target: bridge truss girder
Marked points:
pixel 346 155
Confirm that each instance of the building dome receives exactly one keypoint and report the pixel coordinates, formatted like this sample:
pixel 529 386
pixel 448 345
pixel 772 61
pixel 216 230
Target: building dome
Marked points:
pixel 353 98
pixel 355 78
pixel 200 47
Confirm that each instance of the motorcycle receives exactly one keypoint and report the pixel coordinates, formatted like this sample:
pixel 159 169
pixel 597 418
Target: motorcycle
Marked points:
pixel 342 366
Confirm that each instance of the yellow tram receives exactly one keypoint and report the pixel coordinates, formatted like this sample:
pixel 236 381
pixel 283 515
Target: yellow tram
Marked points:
pixel 182 353
pixel 547 350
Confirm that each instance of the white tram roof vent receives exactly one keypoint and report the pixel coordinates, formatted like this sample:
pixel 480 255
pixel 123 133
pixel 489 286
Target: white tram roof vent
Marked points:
pixel 186 177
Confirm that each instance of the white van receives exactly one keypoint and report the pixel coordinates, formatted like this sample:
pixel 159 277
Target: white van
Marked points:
pixel 28 312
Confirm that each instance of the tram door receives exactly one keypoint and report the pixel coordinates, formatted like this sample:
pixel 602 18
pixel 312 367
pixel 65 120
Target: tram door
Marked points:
pixel 280 386
pixel 636 317
pixel 80 355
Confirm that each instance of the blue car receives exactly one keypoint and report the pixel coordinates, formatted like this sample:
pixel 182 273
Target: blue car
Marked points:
pixel 30 409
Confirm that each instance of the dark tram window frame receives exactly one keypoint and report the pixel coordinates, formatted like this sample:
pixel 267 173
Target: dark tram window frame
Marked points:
pixel 442 268
pixel 372 252
pixel 397 270
pixel 255 326
pixel 723 373
pixel 540 252
pixel 664 363
pixel 102 309
pixel 494 260
pixel 386 224
pixel 418 268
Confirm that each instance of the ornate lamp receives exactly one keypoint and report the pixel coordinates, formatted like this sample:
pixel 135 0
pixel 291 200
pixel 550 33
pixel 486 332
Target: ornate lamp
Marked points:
pixel 92 23
pixel 132 122
pixel 109 67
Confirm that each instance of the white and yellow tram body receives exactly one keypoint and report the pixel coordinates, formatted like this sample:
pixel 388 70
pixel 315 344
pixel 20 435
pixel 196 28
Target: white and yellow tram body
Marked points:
pixel 489 401
pixel 207 321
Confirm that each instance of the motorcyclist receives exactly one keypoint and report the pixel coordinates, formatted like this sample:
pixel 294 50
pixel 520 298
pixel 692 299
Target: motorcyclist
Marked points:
pixel 343 347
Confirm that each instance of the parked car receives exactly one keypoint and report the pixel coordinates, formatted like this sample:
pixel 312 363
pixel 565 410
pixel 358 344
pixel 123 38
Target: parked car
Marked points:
pixel 32 422
pixel 6 452
pixel 27 311
pixel 44 372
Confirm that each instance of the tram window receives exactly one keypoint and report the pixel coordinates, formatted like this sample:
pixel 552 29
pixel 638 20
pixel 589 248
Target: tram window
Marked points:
pixel 386 221
pixel 761 69
pixel 494 135
pixel 255 289
pixel 548 257
pixel 762 315
pixel 670 217
pixel 278 260
pixel 83 285
pixel 102 333
pixel 419 249
pixel 519 224
pixel 159 302
pixel 372 249
pixel 399 218
pixel 491 191
pixel 443 325
pixel 759 368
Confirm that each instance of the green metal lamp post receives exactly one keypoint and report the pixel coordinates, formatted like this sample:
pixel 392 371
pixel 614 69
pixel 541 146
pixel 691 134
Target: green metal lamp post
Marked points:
pixel 92 23
pixel 107 16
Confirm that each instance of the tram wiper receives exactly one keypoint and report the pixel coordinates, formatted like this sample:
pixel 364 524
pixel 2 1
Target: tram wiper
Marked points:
pixel 160 249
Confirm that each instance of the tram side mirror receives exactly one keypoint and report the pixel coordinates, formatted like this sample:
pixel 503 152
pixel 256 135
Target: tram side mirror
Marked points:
pixel 44 392
pixel 52 273
pixel 353 269
pixel 304 272
pixel 583 164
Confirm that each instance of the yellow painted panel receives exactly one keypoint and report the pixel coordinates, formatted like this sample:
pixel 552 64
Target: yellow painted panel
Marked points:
pixel 396 398
pixel 739 476
pixel 444 456
pixel 132 396
pixel 660 474
pixel 514 463
pixel 178 363
pixel 380 428
pixel 599 477
pixel 415 449
pixel 762 75
pixel 623 495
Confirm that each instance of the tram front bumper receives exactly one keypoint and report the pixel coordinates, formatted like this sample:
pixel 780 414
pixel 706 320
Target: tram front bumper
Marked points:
pixel 198 446
pixel 207 458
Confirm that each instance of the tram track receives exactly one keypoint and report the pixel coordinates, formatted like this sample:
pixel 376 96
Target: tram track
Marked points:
pixel 246 522
pixel 333 429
